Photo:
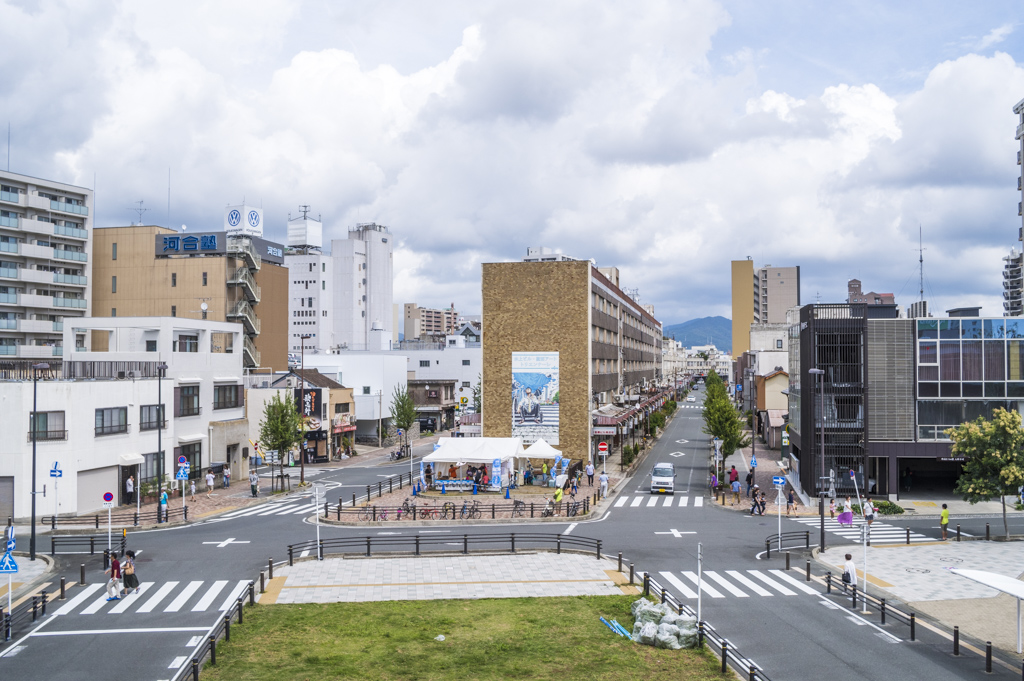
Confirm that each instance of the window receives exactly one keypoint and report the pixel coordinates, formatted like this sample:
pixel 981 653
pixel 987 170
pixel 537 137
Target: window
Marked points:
pixel 112 420
pixel 188 343
pixel 113 312
pixel 323 285
pixel 323 267
pixel 424 363
pixel 148 473
pixel 341 408
pixel 366 390
pixel 188 400
pixel 778 344
pixel 174 310
pixel 149 416
pixel 113 251
pixel 204 278
pixel 465 362
pixel 113 284
pixel 226 396
pixel 174 279
pixel 310 302
pixel 151 346
pixel 465 384
pixel 48 425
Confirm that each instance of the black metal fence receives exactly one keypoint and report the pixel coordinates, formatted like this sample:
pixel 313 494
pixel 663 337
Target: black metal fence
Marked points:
pixel 207 648
pixel 450 510
pixel 83 541
pixel 122 519
pixel 803 541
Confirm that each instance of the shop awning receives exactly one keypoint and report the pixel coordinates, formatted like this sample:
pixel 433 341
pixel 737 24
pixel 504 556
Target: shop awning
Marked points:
pixel 131 460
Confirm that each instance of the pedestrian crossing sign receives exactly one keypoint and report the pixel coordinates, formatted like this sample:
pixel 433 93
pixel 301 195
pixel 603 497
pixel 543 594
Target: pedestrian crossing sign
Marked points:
pixel 182 474
pixel 7 565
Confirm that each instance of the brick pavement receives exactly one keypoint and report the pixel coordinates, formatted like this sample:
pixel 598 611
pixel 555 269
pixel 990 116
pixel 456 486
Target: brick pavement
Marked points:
pixel 523 575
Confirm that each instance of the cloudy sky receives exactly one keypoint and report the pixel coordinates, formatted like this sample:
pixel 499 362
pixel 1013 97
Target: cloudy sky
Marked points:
pixel 665 137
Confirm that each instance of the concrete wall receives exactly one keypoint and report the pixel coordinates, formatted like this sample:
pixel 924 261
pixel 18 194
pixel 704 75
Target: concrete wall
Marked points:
pixel 538 307
pixel 273 313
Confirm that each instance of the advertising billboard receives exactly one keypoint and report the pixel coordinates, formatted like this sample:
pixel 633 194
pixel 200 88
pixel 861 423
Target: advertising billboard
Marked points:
pixel 535 396
pixel 307 402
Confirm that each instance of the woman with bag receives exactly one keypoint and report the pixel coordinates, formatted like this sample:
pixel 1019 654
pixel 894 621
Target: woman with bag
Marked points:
pixel 849 571
pixel 128 570
pixel 846 517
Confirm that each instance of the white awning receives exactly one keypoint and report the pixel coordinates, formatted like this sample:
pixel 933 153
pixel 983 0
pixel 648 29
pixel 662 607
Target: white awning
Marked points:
pixel 1008 585
pixel 131 460
pixel 190 438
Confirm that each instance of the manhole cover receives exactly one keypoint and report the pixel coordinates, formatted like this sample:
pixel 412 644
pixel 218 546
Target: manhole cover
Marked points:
pixel 950 559
pixel 920 571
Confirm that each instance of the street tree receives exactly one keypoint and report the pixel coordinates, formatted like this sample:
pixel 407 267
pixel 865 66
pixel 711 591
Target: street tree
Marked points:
pixel 478 395
pixel 281 427
pixel 993 452
pixel 403 410
pixel 720 417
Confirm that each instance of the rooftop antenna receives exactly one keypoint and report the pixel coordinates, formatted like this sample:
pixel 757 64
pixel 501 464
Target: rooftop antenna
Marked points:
pixel 305 209
pixel 920 257
pixel 140 210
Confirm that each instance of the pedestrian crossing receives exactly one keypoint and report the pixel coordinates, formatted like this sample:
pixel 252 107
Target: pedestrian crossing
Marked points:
pixel 193 596
pixel 653 501
pixel 690 406
pixel 881 533
pixel 286 508
pixel 735 583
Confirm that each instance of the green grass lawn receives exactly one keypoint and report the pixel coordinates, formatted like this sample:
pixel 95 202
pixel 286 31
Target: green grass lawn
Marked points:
pixel 506 638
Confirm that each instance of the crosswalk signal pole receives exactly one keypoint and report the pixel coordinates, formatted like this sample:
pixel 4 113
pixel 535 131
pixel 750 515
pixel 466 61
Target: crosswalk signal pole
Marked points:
pixel 700 567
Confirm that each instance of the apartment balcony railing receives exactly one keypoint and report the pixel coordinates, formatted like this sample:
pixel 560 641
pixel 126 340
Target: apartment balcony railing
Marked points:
pixel 9 298
pixel 58 351
pixel 73 232
pixel 10 197
pixel 8 324
pixel 113 429
pixel 73 279
pixel 8 247
pixel 78 256
pixel 48 435
pixel 69 207
pixel 9 272
pixel 70 302
pixel 6 221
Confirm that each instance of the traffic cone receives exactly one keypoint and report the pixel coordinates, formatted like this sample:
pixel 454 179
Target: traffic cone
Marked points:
pixel 474 488
pixel 443 491
pixel 506 493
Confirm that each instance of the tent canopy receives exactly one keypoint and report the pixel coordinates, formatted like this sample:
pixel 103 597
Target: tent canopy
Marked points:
pixel 541 450
pixel 475 449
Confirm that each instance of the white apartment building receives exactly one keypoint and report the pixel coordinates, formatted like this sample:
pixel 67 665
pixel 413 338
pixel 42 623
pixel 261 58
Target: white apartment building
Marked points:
pixel 373 377
pixel 703 359
pixel 98 414
pixel 45 263
pixel 339 299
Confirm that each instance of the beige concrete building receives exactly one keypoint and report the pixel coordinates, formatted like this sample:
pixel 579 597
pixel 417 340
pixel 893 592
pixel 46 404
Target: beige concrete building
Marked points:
pixel 151 271
pixel 578 341
pixel 422 323
pixel 760 296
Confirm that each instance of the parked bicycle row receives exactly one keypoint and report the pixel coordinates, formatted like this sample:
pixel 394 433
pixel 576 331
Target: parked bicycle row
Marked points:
pixel 413 508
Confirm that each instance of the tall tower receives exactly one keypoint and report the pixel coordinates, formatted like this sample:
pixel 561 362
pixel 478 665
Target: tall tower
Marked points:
pixel 364 274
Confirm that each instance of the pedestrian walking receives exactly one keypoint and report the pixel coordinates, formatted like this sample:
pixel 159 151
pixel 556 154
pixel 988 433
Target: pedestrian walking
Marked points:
pixel 849 571
pixel 573 489
pixel 227 477
pixel 791 502
pixel 544 473
pixel 832 509
pixel 750 481
pixel 735 492
pixel 128 570
pixel 846 517
pixel 603 482
pixel 129 489
pixel 764 502
pixel 209 483
pixel 734 475
pixel 590 474
pixel 558 500
pixel 714 485
pixel 254 483
pixel 192 489
pixel 163 504
pixel 944 521
pixel 869 511
pixel 114 583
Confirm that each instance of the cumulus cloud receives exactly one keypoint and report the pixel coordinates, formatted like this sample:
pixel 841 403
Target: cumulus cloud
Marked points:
pixel 995 36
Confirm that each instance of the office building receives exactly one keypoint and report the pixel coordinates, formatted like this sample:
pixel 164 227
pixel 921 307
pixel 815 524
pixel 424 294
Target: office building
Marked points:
pixel 45 263
pixel 1013 284
pixel 562 339
pixel 228 275
pixel 760 296
pixel 423 323
pixel 124 419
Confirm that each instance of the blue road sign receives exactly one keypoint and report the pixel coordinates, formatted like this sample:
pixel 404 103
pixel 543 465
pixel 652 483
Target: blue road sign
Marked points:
pixel 182 474
pixel 7 565
pixel 753 462
pixel 778 480
pixel 56 473
pixel 11 544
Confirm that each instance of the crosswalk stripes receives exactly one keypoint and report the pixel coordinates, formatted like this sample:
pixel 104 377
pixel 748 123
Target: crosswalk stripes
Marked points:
pixel 286 508
pixel 736 583
pixel 881 533
pixel 652 501
pixel 92 599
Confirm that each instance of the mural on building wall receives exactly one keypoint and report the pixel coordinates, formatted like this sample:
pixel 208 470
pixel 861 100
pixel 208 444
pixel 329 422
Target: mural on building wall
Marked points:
pixel 535 396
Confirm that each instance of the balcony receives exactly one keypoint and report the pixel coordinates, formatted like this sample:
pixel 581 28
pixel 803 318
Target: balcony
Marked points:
pixel 8 247
pixel 35 276
pixel 244 313
pixel 8 324
pixel 243 278
pixel 35 300
pixel 8 298
pixel 6 221
pixel 58 351
pixel 8 272
pixel 73 232
pixel 250 355
pixel 78 256
pixel 35 226
pixel 48 435
pixel 8 350
pixel 243 248
pixel 35 351
pixel 70 302
pixel 35 326
pixel 66 207
pixel 15 197
pixel 35 251
pixel 72 279
pixel 58 326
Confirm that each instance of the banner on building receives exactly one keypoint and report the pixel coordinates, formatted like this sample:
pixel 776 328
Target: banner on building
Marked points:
pixel 535 396
pixel 307 402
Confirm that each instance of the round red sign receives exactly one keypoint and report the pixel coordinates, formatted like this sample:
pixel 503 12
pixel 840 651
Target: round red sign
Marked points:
pixel 602 447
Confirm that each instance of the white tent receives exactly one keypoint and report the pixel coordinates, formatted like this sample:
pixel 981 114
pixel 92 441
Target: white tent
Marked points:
pixel 541 450
pixel 475 449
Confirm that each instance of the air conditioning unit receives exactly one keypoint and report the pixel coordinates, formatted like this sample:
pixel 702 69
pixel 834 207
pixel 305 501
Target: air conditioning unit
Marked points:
pixel 120 375
pixel 617 399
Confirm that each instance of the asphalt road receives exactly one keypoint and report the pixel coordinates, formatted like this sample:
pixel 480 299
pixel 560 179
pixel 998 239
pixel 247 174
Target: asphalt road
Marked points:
pixel 764 611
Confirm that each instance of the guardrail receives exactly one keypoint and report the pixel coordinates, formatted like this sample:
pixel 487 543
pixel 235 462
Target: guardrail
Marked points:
pixel 86 540
pixel 22 615
pixel 119 519
pixel 450 510
pixel 417 543
pixel 221 629
pixel 775 539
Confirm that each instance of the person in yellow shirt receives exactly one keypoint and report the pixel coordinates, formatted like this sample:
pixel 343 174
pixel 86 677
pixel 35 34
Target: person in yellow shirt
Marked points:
pixel 558 501
pixel 944 521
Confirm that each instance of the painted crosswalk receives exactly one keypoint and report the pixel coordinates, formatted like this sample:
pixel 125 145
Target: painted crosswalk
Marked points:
pixel 284 508
pixel 734 583
pixel 658 501
pixel 194 596
pixel 881 533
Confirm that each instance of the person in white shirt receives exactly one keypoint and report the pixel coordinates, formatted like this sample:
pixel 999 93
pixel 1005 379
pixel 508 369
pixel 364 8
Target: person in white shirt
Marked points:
pixel 603 480
pixel 209 483
pixel 129 489
pixel 590 473
pixel 851 569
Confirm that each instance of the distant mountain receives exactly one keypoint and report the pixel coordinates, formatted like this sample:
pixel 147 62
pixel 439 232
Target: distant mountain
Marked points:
pixel 715 331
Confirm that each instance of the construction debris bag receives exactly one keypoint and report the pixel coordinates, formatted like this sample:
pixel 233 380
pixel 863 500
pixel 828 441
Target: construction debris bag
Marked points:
pixel 647 635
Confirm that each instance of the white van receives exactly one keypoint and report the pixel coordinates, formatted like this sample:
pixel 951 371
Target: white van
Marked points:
pixel 663 479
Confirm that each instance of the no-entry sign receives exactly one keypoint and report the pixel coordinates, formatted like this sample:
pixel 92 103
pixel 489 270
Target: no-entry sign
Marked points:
pixel 602 447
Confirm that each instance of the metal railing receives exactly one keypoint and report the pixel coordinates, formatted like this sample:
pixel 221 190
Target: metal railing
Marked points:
pixel 418 543
pixel 244 248
pixel 242 310
pixel 48 435
pixel 122 519
pixel 207 647
pixel 805 536
pixel 82 541
pixel 250 349
pixel 451 510
pixel 243 277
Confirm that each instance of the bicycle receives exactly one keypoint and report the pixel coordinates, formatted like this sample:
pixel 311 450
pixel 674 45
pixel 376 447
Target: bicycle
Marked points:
pixel 429 514
pixel 572 509
pixel 549 509
pixel 470 511
pixel 518 508
pixel 382 514
pixel 364 514
pixel 448 510
pixel 407 508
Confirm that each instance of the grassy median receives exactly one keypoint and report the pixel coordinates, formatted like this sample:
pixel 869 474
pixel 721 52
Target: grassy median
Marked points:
pixel 506 638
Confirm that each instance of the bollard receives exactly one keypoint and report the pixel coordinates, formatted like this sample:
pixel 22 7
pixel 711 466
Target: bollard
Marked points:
pixel 252 594
pixel 43 599
pixel 240 606
pixel 353 499
pixel 988 536
pixel 465 543
pixel 339 508
pixel 662 595
pixel 367 547
pixel 81 578
pixel 599 549
pixel 808 569
pixel 620 561
pixel 35 605
pixel 558 544
pixel 854 606
pixel 135 518
pixel 368 493
pixel 700 634
pixel 725 654
pixel 647 584
pixel 958 531
pixel 270 568
pixel 106 559
pixel 787 560
pixel 391 486
pixel 988 656
pixel 263 582
pixel 631 579
pixel 62 585
pixel 195 669
pixel 913 627
pixel 375 513
pixel 380 486
pixel 227 627
pixel 213 650
pixel 881 609
pixel 752 676
pixel 492 511
pixel 768 548
pixel 956 641
pixel 828 582
pixel 531 509
pixel 327 509
pixel 908 536
pixel 512 537
pixel 418 545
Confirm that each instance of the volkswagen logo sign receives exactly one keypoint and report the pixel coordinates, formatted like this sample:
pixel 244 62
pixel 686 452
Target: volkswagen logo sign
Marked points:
pixel 234 217
pixel 254 219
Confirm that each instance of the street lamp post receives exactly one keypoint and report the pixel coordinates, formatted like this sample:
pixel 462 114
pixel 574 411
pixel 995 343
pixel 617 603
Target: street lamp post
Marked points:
pixel 160 369
pixel 302 409
pixel 35 419
pixel 820 374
